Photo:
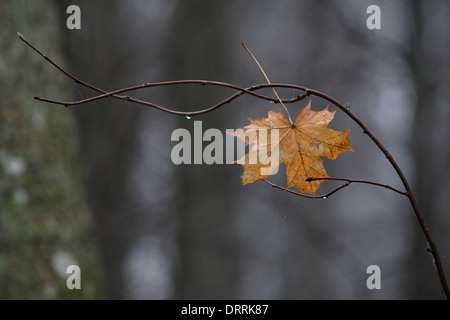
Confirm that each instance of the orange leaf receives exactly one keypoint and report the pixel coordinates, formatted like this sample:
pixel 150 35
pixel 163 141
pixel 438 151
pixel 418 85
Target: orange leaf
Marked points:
pixel 300 146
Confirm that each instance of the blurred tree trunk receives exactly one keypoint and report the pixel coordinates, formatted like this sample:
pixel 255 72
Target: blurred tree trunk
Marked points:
pixel 119 144
pixel 424 60
pixel 45 223
pixel 107 130
pixel 208 252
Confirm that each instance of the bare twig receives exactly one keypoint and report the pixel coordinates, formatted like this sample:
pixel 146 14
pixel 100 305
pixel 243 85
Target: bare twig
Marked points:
pixel 306 92
pixel 268 81
pixel 114 94
pixel 349 181
pixel 327 195
pixel 323 196
pixel 249 90
pixel 409 193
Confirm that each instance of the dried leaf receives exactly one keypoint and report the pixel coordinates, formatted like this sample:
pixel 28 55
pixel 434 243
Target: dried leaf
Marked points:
pixel 300 146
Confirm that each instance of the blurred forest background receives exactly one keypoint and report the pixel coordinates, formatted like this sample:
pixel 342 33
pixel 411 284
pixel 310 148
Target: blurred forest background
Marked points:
pixel 94 185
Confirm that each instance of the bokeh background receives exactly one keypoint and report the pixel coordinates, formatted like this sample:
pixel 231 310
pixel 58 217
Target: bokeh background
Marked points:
pixel 94 185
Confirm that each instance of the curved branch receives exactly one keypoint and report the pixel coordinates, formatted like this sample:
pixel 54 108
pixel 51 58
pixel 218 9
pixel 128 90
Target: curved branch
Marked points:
pixel 323 196
pixel 114 94
pixel 225 101
pixel 361 181
pixel 409 194
pixel 248 90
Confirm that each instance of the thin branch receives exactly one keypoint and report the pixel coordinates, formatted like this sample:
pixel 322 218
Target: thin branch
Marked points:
pixel 268 81
pixel 408 193
pixel 242 91
pixel 323 196
pixel 58 67
pixel 248 90
pixel 361 181
pixel 145 85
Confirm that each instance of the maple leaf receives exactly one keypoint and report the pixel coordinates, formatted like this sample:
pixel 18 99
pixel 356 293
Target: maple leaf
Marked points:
pixel 301 146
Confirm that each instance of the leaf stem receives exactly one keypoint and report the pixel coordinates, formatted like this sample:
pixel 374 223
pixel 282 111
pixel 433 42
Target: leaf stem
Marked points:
pixel 268 81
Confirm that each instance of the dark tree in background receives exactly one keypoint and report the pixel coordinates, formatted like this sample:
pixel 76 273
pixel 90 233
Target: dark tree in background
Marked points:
pixel 427 65
pixel 197 47
pixel 193 231
pixel 45 223
pixel 130 182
